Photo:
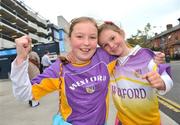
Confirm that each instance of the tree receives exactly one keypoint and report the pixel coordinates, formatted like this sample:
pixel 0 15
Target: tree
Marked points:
pixel 141 37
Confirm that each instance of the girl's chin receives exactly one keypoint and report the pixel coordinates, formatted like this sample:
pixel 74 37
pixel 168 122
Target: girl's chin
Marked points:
pixel 85 58
pixel 115 53
pixel 119 52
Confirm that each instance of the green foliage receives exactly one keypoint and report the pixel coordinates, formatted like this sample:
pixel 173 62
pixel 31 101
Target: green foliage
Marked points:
pixel 141 37
pixel 156 48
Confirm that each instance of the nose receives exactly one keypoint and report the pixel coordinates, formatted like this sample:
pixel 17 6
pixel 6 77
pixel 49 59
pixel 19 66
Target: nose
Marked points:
pixel 86 41
pixel 111 45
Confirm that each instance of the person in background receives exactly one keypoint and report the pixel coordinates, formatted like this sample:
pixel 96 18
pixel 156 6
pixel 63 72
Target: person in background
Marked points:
pixel 45 61
pixel 33 71
pixel 34 65
pixel 136 79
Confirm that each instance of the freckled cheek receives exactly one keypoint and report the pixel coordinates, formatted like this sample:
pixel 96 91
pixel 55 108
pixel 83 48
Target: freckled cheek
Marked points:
pixel 94 44
pixel 120 41
pixel 76 45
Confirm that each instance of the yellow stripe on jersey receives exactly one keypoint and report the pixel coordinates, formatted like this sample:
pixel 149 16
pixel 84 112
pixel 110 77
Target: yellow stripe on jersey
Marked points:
pixel 111 66
pixel 107 102
pixel 154 68
pixel 129 79
pixel 46 86
pixel 65 109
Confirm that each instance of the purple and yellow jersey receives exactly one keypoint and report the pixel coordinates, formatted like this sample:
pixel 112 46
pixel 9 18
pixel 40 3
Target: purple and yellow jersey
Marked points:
pixel 134 98
pixel 84 89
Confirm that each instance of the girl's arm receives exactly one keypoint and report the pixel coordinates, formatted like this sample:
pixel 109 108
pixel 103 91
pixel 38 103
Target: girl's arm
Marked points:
pixel 21 84
pixel 19 69
pixel 41 85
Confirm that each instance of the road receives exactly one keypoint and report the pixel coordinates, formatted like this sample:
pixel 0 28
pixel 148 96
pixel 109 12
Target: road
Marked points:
pixel 170 103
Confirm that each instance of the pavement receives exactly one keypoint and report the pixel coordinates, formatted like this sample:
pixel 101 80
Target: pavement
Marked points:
pixel 14 112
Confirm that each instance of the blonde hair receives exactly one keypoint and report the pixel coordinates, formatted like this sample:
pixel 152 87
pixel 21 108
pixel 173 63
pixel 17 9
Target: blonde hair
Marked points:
pixel 79 20
pixel 111 26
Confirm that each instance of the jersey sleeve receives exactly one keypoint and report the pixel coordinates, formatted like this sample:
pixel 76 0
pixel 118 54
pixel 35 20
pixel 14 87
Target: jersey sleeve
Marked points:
pixel 24 89
pixel 109 60
pixel 46 82
pixel 102 55
pixel 21 84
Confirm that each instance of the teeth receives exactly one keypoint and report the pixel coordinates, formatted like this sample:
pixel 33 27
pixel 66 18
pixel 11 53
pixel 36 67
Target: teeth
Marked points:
pixel 85 50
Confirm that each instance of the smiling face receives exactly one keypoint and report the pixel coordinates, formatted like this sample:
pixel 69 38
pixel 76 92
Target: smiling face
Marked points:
pixel 83 39
pixel 111 38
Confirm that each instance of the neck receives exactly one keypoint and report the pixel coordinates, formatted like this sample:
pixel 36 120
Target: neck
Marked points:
pixel 81 63
pixel 126 52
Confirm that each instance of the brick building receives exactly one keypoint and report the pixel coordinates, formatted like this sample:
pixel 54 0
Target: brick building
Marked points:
pixel 168 41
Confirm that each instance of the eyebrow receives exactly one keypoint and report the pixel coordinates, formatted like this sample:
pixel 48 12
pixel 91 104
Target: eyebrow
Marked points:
pixel 80 33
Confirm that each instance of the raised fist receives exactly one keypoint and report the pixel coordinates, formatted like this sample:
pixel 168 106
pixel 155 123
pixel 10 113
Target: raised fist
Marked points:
pixel 23 47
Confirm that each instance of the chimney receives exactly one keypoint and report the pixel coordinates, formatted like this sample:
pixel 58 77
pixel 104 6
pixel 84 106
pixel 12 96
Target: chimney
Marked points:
pixel 178 20
pixel 169 26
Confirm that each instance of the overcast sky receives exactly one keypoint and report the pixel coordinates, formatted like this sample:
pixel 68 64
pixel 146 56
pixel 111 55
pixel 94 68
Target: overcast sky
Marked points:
pixel 129 14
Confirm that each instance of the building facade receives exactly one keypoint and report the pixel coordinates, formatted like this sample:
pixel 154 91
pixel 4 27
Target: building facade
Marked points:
pixel 168 41
pixel 64 44
pixel 16 20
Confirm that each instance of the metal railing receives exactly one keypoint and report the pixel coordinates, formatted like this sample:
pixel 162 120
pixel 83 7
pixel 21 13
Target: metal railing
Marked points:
pixel 14 26
pixel 13 11
pixel 7 37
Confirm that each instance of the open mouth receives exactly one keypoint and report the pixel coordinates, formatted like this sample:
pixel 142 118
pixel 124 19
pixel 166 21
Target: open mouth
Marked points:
pixel 84 50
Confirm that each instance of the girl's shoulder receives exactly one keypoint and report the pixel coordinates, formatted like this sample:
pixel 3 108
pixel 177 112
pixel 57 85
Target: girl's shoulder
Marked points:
pixel 102 55
pixel 141 54
pixel 146 51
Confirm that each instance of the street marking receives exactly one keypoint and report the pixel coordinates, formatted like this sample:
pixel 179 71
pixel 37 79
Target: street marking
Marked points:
pixel 170 104
pixel 169 101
